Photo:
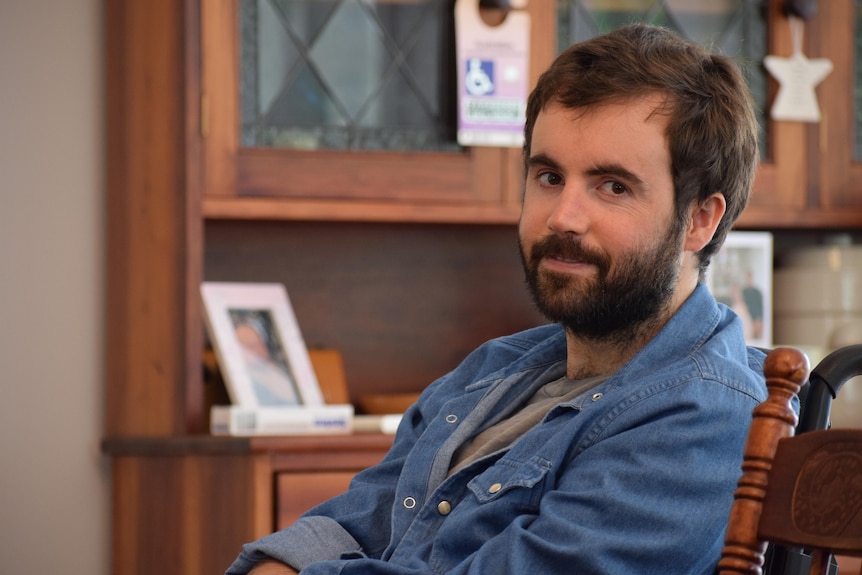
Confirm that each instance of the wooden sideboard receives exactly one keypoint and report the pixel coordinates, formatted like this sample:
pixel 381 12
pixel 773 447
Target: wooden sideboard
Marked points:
pixel 185 505
pixel 419 264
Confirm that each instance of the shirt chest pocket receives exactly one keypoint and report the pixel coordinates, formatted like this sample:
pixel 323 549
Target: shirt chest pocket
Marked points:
pixel 517 481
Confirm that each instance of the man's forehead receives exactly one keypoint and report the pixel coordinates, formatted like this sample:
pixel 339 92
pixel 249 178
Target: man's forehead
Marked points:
pixel 632 116
pixel 656 102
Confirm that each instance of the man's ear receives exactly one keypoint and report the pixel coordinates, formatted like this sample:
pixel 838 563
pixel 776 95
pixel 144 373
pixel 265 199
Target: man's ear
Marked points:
pixel 704 221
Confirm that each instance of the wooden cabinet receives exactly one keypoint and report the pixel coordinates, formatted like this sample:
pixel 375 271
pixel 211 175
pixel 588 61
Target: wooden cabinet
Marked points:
pixel 402 262
pixel 813 177
pixel 185 506
pixel 180 193
pixel 780 188
pixel 186 203
pixel 837 185
pixel 474 185
pixel 298 491
pixel 809 177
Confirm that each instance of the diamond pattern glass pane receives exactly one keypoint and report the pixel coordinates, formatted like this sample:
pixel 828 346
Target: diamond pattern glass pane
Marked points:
pixel 737 28
pixel 347 74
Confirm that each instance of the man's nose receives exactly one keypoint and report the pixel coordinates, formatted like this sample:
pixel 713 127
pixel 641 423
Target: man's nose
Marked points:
pixel 570 213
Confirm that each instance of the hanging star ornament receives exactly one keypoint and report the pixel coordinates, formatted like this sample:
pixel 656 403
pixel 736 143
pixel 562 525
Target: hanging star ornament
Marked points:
pixel 797 77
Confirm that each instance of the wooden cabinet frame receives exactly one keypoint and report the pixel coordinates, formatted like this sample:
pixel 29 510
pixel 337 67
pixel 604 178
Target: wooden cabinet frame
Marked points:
pixel 154 220
pixel 173 165
pixel 185 506
pixel 472 186
pixel 839 174
pixel 810 180
pixel 781 177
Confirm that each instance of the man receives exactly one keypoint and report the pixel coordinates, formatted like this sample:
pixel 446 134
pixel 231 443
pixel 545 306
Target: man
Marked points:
pixel 609 441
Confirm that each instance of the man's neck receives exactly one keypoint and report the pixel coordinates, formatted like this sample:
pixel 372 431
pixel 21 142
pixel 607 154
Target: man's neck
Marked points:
pixel 588 357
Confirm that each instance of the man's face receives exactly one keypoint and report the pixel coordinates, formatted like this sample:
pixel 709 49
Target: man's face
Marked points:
pixel 600 248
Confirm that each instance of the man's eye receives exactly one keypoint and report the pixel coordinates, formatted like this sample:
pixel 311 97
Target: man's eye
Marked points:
pixel 550 179
pixel 615 188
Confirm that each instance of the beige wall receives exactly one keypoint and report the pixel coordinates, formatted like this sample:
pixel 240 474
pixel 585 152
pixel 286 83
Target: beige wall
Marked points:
pixel 54 483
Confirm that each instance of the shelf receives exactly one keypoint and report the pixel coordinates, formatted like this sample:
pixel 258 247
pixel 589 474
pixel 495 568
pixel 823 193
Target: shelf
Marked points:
pixel 226 208
pixel 227 445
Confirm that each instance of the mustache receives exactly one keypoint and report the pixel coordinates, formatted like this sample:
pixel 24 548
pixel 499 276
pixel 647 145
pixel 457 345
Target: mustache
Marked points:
pixel 569 249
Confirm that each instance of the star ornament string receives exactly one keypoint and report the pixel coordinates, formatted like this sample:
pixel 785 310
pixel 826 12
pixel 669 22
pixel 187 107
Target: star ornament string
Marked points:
pixel 797 77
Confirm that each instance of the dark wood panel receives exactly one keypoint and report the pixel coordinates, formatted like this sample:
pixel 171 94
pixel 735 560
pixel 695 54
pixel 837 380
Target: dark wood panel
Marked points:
pixel 402 303
pixel 185 515
pixel 299 492
pixel 185 506
pixel 389 176
pixel 146 259
pixel 840 170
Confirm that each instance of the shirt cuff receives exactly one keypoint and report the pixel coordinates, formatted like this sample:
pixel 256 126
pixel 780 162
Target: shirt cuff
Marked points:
pixel 308 540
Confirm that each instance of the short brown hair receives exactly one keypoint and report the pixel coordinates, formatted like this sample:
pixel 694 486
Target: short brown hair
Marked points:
pixel 712 131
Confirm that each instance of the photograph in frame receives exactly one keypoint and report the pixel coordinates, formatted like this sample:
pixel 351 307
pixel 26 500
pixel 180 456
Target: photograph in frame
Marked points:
pixel 259 346
pixel 740 276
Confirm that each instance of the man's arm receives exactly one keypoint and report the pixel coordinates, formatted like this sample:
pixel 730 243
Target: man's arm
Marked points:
pixel 318 535
pixel 273 568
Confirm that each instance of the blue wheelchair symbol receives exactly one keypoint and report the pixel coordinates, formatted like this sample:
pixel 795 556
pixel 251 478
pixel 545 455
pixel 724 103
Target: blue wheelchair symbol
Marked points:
pixel 479 79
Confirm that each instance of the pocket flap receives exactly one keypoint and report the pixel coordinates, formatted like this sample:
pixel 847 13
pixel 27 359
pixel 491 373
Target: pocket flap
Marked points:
pixel 506 475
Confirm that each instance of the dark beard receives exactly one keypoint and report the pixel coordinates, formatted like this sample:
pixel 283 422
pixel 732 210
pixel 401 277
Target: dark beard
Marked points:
pixel 609 309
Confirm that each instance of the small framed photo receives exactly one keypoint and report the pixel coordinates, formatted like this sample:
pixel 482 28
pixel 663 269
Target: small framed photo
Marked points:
pixel 259 346
pixel 740 276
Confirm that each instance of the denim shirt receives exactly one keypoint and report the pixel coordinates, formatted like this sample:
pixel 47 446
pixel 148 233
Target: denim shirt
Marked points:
pixel 635 476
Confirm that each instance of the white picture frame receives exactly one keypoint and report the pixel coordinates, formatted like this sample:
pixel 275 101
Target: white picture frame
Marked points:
pixel 259 346
pixel 740 276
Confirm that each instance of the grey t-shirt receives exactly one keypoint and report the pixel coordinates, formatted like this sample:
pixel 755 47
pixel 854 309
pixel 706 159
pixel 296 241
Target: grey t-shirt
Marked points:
pixel 505 432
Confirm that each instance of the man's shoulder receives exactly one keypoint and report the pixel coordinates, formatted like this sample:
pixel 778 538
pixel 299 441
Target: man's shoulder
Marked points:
pixel 530 347
pixel 531 337
pixel 756 357
pixel 537 342
pixel 736 367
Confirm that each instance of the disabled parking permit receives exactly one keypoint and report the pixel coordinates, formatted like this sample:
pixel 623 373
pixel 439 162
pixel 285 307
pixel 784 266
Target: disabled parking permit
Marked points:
pixel 492 76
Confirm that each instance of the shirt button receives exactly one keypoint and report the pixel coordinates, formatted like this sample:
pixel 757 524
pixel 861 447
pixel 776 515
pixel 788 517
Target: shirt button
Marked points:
pixel 495 488
pixel 451 418
pixel 409 502
pixel 444 507
pixel 597 396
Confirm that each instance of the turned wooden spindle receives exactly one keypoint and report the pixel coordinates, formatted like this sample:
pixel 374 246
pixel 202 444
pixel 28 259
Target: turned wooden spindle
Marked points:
pixel 786 369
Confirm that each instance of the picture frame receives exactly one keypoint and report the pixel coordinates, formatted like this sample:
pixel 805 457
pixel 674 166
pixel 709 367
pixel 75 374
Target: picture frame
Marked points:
pixel 740 276
pixel 259 346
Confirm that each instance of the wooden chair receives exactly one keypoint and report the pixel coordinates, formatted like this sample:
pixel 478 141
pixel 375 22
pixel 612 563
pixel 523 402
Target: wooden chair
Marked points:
pixel 801 491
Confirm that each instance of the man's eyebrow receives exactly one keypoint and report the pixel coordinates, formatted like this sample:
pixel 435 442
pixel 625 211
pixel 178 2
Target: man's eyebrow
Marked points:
pixel 614 170
pixel 542 160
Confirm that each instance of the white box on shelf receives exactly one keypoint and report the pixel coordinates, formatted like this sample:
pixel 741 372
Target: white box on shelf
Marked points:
pixel 293 420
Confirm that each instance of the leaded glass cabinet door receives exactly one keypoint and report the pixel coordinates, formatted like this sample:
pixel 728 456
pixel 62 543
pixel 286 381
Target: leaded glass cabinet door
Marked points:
pixel 347 109
pixel 347 75
pixel 744 29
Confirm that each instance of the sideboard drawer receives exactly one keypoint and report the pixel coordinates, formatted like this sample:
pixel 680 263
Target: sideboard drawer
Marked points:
pixel 297 492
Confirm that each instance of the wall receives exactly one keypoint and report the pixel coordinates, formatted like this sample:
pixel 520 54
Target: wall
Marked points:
pixel 54 483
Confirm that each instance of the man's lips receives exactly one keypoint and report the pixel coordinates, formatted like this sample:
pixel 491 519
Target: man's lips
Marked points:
pixel 560 262
pixel 565 256
pixel 564 259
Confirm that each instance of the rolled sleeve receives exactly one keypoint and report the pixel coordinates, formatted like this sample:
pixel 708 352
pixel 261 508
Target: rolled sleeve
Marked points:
pixel 308 540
